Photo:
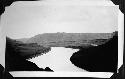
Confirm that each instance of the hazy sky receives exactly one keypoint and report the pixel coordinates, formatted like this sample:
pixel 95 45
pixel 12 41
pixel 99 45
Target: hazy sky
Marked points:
pixel 29 20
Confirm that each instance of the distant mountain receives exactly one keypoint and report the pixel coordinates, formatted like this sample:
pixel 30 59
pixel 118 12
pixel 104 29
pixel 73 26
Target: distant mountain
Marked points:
pixel 22 39
pixel 64 39
pixel 67 38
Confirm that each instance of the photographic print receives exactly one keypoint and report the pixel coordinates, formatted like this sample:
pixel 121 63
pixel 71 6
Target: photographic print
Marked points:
pixel 58 37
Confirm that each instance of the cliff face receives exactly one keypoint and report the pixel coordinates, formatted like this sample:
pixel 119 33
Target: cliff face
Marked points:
pixel 103 58
pixel 17 53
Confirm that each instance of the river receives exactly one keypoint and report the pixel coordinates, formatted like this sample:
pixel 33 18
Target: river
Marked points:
pixel 58 59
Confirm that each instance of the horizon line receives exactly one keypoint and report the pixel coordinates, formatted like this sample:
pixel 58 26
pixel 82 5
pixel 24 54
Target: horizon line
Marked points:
pixel 62 33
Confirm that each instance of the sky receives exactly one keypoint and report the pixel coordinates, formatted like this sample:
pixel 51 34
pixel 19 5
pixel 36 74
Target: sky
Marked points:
pixel 24 20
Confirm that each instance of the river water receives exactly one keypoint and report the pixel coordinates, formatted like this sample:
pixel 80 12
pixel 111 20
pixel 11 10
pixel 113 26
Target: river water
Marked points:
pixel 58 59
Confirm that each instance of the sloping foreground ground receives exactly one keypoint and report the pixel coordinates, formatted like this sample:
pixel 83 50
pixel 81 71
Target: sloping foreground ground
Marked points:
pixel 102 58
pixel 17 53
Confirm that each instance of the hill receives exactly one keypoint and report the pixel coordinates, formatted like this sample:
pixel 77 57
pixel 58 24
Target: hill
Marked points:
pixel 68 39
